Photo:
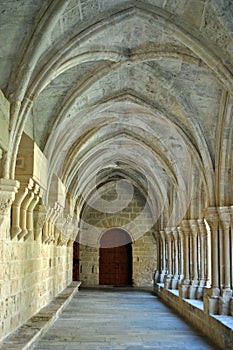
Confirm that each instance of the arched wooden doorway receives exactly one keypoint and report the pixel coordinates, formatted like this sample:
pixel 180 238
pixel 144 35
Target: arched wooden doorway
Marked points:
pixel 115 263
pixel 76 249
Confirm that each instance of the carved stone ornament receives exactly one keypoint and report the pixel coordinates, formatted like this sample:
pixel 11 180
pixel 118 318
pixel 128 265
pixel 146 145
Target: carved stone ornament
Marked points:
pixel 8 188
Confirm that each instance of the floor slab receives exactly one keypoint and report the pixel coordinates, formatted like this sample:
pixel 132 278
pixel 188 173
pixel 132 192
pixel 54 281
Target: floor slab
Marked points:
pixel 120 319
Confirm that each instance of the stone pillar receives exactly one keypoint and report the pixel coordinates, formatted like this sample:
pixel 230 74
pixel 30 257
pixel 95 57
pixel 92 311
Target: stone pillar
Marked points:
pixel 168 277
pixel 226 291
pixel 163 271
pixel 203 264
pixel 211 297
pixel 175 278
pixel 184 286
pixel 181 254
pixel 194 273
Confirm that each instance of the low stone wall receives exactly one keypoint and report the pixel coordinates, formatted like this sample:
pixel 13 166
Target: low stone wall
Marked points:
pixel 218 328
pixel 31 275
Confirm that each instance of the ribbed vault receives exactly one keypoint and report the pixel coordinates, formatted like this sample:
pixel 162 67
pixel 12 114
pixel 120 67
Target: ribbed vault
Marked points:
pixel 132 90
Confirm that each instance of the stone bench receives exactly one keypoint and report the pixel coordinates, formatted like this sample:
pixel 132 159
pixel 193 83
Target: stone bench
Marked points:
pixel 30 332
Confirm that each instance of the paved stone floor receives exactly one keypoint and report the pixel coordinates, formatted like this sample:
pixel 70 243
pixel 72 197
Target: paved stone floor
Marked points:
pixel 120 319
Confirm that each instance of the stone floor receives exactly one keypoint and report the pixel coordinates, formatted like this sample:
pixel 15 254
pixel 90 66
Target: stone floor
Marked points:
pixel 120 319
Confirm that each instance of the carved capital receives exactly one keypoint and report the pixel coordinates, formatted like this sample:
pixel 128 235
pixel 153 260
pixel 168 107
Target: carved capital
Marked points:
pixel 8 188
pixel 225 217
pixel 212 217
pixel 202 227
pixel 175 233
pixel 162 235
pixel 194 227
pixel 186 227
pixel 168 232
pixel 181 234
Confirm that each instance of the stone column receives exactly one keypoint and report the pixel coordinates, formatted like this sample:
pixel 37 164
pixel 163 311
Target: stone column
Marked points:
pixel 194 272
pixel 181 254
pixel 158 257
pixel 168 277
pixel 184 286
pixel 226 291
pixel 163 260
pixel 203 265
pixel 175 278
pixel 211 297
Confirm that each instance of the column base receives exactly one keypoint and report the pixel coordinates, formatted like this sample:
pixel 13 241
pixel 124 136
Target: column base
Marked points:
pixel 211 301
pixel 156 276
pixel 174 282
pixel 225 301
pixel 180 279
pixel 192 292
pixel 184 289
pixel 162 276
pixel 200 290
pixel 167 281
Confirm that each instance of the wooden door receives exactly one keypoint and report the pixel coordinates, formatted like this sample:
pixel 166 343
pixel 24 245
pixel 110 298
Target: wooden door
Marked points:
pixel 76 261
pixel 115 264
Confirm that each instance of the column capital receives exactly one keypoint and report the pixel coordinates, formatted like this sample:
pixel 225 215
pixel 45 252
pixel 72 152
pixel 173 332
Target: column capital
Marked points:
pixel 8 189
pixel 168 231
pixel 212 216
pixel 180 231
pixel 202 227
pixel 175 232
pixel 186 227
pixel 162 234
pixel 225 216
pixel 194 226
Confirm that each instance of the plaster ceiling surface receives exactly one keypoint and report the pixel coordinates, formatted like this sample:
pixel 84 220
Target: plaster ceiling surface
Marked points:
pixel 140 84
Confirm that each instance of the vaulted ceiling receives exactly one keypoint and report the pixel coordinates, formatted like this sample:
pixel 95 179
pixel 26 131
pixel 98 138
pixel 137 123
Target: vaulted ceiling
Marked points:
pixel 135 90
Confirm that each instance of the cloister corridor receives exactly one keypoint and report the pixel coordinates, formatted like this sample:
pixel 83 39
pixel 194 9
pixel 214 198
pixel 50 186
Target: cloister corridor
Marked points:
pixel 116 169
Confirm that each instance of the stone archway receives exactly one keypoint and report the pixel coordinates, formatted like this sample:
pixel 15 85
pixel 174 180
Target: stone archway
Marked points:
pixel 115 262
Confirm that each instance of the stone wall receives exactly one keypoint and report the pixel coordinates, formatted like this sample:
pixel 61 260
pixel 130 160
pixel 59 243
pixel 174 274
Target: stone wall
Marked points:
pixel 31 274
pixel 135 217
